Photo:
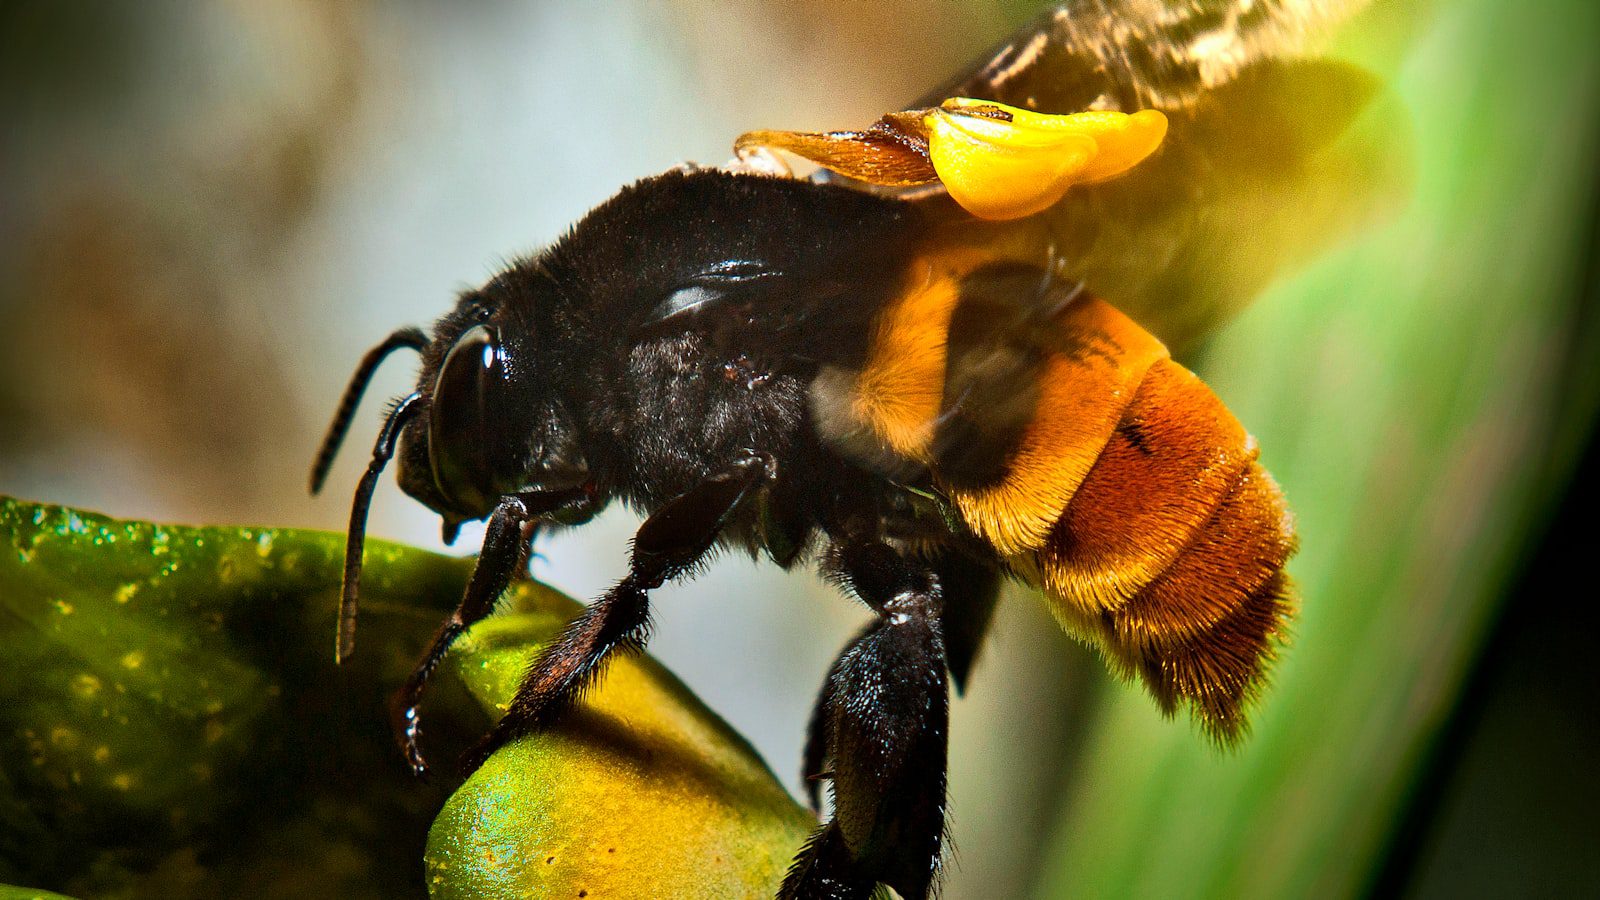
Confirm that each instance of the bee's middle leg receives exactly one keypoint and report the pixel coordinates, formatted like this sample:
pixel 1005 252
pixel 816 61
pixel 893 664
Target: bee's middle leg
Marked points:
pixel 880 732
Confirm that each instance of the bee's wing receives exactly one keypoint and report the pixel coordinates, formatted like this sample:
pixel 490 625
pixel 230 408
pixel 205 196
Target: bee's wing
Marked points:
pixel 1273 153
pixel 1138 54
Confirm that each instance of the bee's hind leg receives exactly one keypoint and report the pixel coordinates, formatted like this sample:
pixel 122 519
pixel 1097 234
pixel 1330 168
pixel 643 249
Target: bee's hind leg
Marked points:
pixel 970 590
pixel 882 723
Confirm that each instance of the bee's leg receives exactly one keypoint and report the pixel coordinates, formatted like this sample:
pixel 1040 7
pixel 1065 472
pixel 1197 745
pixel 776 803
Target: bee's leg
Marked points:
pixel 886 708
pixel 970 591
pixel 672 540
pixel 814 759
pixel 505 547
pixel 530 534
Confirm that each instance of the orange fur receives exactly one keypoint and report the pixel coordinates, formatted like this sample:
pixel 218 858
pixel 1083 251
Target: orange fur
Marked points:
pixel 1191 537
pixel 1219 673
pixel 1081 400
pixel 1170 558
pixel 898 393
pixel 1175 454
pixel 1240 549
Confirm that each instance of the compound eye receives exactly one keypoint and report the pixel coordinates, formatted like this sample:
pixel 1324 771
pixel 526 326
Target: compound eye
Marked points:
pixel 465 424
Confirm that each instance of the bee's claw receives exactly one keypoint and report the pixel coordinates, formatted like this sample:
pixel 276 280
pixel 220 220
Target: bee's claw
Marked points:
pixel 419 766
pixel 406 722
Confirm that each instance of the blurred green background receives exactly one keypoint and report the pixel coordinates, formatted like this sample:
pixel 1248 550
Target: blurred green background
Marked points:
pixel 208 214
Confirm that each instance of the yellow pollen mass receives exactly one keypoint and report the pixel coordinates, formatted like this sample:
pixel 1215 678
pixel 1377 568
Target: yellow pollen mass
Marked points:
pixel 999 169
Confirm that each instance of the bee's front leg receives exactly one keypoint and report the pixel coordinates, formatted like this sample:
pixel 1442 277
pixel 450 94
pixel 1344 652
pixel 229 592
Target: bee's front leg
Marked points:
pixel 672 540
pixel 881 724
pixel 505 547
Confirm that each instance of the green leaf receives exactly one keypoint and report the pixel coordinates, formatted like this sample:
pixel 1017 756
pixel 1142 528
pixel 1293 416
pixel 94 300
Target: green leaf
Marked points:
pixel 174 725
pixel 173 720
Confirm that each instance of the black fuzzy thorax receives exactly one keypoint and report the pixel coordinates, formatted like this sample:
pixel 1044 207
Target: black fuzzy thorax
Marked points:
pixel 665 404
pixel 659 404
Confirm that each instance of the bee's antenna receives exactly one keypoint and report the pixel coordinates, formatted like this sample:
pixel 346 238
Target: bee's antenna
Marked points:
pixel 405 337
pixel 356 542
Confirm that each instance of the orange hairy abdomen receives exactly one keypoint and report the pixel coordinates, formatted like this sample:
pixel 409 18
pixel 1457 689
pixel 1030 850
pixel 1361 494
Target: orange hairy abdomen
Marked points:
pixel 1135 500
pixel 1131 495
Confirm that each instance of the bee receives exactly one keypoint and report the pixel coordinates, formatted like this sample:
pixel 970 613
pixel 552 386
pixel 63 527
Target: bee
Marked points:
pixel 928 367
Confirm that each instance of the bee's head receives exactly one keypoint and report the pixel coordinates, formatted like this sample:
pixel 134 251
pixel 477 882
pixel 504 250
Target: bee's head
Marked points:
pixel 485 419
pixel 491 420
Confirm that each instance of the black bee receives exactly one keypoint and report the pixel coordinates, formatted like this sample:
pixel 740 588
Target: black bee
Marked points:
pixel 919 401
